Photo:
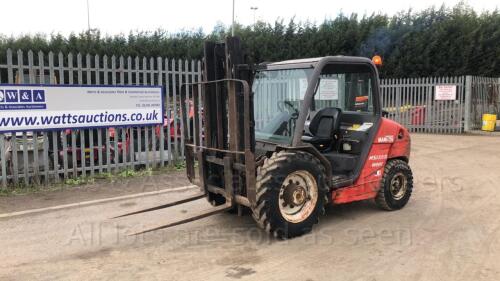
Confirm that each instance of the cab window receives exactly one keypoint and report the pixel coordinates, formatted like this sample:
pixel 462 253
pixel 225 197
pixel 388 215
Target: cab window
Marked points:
pixel 349 88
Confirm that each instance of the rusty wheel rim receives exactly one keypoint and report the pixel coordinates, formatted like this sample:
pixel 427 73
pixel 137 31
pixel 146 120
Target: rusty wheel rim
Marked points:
pixel 398 186
pixel 298 196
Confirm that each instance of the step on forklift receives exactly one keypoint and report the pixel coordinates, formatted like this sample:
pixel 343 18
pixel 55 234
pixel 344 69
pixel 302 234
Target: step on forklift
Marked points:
pixel 285 139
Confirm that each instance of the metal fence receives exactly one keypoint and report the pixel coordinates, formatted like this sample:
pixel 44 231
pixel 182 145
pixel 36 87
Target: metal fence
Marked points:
pixel 53 156
pixel 412 103
pixel 484 98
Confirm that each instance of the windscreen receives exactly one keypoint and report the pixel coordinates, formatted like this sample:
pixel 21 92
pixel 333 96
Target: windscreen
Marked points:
pixel 278 95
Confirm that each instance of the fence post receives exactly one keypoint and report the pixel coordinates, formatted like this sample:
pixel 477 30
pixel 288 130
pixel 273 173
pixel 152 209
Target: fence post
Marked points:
pixel 468 103
pixel 3 162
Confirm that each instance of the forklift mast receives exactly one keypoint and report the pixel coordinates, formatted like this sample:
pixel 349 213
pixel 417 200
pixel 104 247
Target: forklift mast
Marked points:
pixel 226 158
pixel 225 155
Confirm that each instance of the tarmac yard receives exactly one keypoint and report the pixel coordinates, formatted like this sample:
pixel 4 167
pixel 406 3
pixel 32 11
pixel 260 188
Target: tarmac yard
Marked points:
pixel 450 230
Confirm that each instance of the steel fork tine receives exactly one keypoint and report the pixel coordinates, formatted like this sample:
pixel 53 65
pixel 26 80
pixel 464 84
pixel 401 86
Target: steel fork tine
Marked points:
pixel 199 215
pixel 181 201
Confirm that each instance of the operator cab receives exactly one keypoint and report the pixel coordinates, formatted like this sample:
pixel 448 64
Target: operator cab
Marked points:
pixel 330 103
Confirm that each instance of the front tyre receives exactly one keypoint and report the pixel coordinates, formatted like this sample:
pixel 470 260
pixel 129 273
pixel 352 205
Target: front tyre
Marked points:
pixel 291 193
pixel 396 186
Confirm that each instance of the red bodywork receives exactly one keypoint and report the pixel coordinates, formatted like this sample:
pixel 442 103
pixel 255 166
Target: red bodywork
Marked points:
pixel 391 142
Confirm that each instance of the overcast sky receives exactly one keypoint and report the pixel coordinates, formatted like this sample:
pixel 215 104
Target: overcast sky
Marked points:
pixel 121 16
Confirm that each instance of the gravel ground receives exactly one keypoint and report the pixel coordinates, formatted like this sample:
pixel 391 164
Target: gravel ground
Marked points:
pixel 450 230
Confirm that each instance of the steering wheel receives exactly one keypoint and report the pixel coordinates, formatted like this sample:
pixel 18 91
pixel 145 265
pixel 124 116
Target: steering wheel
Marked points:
pixel 295 113
pixel 282 104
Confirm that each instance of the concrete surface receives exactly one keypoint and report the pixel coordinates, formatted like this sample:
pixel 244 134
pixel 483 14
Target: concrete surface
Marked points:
pixel 450 230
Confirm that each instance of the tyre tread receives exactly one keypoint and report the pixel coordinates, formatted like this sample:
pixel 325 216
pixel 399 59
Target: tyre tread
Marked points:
pixel 381 198
pixel 265 174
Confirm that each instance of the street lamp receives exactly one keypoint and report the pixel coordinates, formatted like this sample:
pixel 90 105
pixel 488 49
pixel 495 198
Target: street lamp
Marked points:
pixel 254 9
pixel 232 25
pixel 88 17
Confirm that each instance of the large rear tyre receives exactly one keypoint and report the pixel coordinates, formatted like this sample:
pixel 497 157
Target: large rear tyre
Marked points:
pixel 396 186
pixel 291 193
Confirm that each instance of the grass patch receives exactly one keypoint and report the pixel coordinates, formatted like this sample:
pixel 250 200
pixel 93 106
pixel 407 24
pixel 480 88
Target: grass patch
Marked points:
pixel 81 180
pixel 180 166
pixel 22 188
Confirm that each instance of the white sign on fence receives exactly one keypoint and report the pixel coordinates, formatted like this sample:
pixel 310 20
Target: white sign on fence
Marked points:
pixel 45 107
pixel 329 89
pixel 446 92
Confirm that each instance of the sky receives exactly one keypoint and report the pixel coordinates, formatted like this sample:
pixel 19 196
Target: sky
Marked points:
pixel 122 16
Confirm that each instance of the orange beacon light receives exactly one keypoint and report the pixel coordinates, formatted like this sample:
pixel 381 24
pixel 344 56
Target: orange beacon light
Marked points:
pixel 377 60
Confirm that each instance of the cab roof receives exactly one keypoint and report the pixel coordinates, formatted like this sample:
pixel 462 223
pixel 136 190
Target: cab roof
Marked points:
pixel 312 62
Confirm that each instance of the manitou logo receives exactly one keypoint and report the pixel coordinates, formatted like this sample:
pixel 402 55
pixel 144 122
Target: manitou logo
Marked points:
pixel 386 139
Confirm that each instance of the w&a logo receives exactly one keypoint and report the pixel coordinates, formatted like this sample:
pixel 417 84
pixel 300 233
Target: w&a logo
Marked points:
pixel 23 96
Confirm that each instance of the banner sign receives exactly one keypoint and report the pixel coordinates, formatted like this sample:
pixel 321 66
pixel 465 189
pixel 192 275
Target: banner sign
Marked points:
pixel 48 107
pixel 446 92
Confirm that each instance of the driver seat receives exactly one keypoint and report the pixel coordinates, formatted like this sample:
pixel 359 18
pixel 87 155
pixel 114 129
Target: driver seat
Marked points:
pixel 324 127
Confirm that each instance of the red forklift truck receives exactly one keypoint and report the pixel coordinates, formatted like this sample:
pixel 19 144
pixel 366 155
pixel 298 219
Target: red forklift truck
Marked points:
pixel 286 139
